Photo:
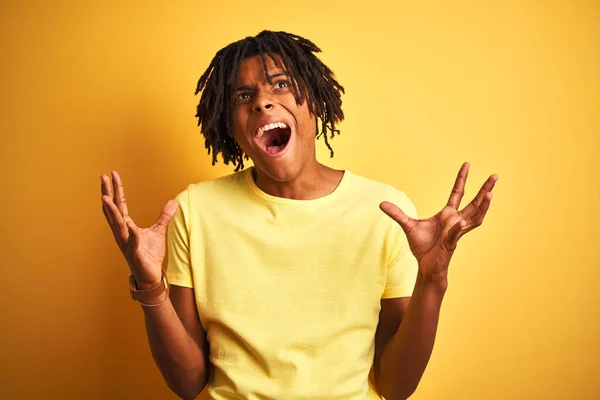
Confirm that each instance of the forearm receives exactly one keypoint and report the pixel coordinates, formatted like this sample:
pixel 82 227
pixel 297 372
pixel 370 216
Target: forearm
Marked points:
pixel 182 360
pixel 405 357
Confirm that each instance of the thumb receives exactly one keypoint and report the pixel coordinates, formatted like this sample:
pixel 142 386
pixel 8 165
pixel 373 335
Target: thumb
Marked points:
pixel 397 215
pixel 165 217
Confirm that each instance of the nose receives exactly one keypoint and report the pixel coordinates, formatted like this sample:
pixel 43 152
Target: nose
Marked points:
pixel 263 103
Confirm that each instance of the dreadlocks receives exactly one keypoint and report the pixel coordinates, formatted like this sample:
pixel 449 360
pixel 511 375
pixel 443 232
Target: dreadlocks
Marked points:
pixel 307 73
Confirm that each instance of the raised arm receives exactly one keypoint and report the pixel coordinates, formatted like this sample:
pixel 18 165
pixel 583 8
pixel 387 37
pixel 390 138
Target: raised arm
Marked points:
pixel 432 241
pixel 177 340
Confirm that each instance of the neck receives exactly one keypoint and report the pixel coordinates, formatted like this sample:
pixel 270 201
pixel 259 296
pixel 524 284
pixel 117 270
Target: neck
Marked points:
pixel 312 182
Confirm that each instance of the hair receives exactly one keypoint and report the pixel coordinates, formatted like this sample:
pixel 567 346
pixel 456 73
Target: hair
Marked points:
pixel 308 75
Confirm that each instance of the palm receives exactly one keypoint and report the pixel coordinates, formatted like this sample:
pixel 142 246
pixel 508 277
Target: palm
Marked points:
pixel 144 248
pixel 433 240
pixel 150 249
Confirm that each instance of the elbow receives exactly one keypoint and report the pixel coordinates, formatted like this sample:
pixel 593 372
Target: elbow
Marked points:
pixel 396 390
pixel 186 391
pixel 186 395
pixel 403 395
pixel 187 387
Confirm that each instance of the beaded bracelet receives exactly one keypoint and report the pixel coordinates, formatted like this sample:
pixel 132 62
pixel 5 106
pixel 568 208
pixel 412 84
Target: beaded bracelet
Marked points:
pixel 157 304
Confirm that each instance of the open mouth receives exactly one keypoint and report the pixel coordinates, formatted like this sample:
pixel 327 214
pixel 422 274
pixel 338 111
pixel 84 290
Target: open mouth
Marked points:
pixel 274 137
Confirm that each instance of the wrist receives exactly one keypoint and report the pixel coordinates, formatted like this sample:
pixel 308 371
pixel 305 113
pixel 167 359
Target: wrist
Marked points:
pixel 147 285
pixel 157 301
pixel 148 292
pixel 143 280
pixel 437 283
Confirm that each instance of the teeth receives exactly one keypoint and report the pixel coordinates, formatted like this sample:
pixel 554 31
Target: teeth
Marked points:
pixel 268 127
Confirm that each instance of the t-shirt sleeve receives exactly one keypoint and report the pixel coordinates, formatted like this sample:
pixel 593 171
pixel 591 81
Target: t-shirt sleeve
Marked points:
pixel 179 271
pixel 403 267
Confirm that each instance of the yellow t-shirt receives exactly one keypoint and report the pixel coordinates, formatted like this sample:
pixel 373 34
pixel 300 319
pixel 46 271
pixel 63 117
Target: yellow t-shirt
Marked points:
pixel 289 291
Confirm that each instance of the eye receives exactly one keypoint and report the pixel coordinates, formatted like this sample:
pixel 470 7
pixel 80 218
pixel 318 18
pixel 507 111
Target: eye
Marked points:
pixel 242 96
pixel 282 84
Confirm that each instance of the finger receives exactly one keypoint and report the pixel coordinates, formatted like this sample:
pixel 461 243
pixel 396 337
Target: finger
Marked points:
pixel 114 228
pixel 116 220
pixel 119 197
pixel 106 190
pixel 472 209
pixel 454 234
pixel 132 231
pixel 477 219
pixel 486 188
pixel 165 217
pixel 107 215
pixel 105 187
pixel 482 209
pixel 459 186
pixel 104 183
pixel 397 215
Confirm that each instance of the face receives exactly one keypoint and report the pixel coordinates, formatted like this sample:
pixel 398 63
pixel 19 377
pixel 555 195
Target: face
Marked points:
pixel 275 132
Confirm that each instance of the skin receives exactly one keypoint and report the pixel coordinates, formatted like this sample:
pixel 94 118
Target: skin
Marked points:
pixel 407 326
pixel 176 337
pixel 296 174
pixel 433 242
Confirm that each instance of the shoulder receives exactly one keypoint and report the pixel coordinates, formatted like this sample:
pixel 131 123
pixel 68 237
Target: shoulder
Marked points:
pixel 221 186
pixel 367 190
pixel 214 194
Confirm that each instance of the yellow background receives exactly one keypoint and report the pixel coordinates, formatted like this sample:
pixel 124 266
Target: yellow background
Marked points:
pixel 512 87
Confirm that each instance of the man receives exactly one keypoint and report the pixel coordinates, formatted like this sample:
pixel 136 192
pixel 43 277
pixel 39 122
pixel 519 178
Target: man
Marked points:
pixel 286 279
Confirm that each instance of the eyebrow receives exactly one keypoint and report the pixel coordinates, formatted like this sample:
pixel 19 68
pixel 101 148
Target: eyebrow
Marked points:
pixel 245 88
pixel 278 75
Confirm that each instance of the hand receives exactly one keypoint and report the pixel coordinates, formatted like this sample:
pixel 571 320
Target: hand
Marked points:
pixel 144 249
pixel 433 240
